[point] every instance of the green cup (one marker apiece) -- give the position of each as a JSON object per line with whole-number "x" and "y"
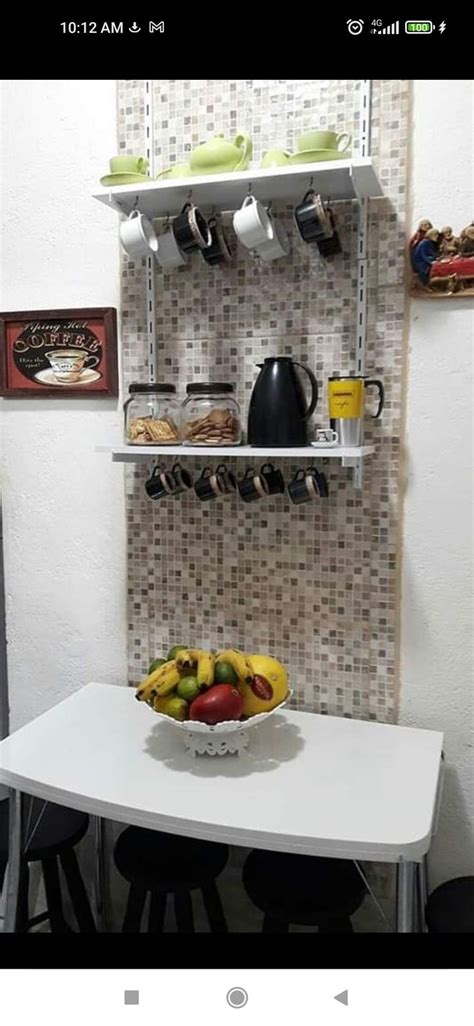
{"x": 128, "y": 165}
{"x": 324, "y": 141}
{"x": 275, "y": 158}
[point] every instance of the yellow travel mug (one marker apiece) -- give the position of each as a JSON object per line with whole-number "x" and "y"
{"x": 346, "y": 398}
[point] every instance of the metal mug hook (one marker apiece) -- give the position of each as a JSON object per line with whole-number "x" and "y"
{"x": 135, "y": 205}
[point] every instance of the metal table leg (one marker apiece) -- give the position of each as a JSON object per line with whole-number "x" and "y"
{"x": 102, "y": 881}
{"x": 422, "y": 894}
{"x": 405, "y": 894}
{"x": 12, "y": 881}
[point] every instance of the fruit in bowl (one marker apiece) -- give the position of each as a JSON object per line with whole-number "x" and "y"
{"x": 220, "y": 703}
{"x": 194, "y": 686}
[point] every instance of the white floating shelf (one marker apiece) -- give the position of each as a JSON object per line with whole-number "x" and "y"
{"x": 335, "y": 179}
{"x": 142, "y": 454}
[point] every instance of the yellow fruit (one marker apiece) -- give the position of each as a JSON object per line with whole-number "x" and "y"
{"x": 159, "y": 704}
{"x": 205, "y": 669}
{"x": 187, "y": 658}
{"x": 177, "y": 708}
{"x": 268, "y": 688}
{"x": 168, "y": 681}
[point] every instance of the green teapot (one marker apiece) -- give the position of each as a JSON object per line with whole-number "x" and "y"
{"x": 218, "y": 156}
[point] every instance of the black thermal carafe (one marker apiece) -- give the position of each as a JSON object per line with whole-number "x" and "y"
{"x": 278, "y": 411}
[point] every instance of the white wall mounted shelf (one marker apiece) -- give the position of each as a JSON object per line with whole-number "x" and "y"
{"x": 142, "y": 454}
{"x": 335, "y": 179}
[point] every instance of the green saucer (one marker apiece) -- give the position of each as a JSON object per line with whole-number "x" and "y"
{"x": 313, "y": 156}
{"x": 124, "y": 179}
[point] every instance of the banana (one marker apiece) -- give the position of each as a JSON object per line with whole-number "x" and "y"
{"x": 187, "y": 658}
{"x": 168, "y": 681}
{"x": 205, "y": 669}
{"x": 239, "y": 663}
{"x": 147, "y": 685}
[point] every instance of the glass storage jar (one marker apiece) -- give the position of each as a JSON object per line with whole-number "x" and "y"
{"x": 152, "y": 414}
{"x": 210, "y": 415}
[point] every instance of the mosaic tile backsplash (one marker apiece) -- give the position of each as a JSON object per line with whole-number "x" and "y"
{"x": 314, "y": 585}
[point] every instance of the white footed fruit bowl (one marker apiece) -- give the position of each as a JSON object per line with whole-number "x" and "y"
{"x": 228, "y": 737}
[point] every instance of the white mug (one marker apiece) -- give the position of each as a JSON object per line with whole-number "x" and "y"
{"x": 252, "y": 224}
{"x": 137, "y": 235}
{"x": 169, "y": 254}
{"x": 325, "y": 436}
{"x": 279, "y": 246}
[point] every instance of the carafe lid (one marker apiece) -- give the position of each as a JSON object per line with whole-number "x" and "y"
{"x": 151, "y": 386}
{"x": 208, "y": 387}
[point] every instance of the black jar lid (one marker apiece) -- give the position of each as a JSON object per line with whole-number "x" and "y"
{"x": 150, "y": 386}
{"x": 208, "y": 387}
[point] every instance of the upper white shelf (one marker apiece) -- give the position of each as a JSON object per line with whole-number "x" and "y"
{"x": 139, "y": 454}
{"x": 335, "y": 180}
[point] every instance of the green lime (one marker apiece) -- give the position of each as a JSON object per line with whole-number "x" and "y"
{"x": 188, "y": 688}
{"x": 155, "y": 665}
{"x": 177, "y": 708}
{"x": 224, "y": 673}
{"x": 173, "y": 652}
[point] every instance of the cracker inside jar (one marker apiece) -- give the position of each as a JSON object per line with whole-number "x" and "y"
{"x": 219, "y": 427}
{"x": 150, "y": 431}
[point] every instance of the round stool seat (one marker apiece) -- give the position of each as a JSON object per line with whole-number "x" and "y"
{"x": 450, "y": 908}
{"x": 302, "y": 889}
{"x": 165, "y": 862}
{"x": 58, "y": 829}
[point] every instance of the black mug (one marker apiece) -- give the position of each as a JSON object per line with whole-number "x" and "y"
{"x": 182, "y": 479}
{"x": 274, "y": 479}
{"x": 226, "y": 479}
{"x": 218, "y": 251}
{"x": 308, "y": 484}
{"x": 330, "y": 246}
{"x": 253, "y": 486}
{"x": 208, "y": 485}
{"x": 190, "y": 229}
{"x": 160, "y": 485}
{"x": 311, "y": 219}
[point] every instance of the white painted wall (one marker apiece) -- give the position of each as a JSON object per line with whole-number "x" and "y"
{"x": 64, "y": 518}
{"x": 436, "y": 615}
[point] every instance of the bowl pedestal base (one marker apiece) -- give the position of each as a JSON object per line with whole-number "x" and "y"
{"x": 217, "y": 744}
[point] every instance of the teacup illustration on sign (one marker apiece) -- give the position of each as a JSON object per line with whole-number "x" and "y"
{"x": 69, "y": 367}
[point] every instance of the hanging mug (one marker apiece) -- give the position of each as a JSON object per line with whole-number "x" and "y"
{"x": 160, "y": 485}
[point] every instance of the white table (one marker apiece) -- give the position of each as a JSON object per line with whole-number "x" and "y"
{"x": 318, "y": 785}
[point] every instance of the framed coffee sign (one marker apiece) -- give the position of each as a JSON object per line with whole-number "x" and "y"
{"x": 68, "y": 353}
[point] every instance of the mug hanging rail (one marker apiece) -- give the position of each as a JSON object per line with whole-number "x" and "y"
{"x": 306, "y": 485}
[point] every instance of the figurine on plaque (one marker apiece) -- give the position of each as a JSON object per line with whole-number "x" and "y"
{"x": 442, "y": 262}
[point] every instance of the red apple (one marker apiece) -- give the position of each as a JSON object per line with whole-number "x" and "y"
{"x": 221, "y": 702}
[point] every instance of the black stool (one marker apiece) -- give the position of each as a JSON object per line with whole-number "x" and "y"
{"x": 450, "y": 908}
{"x": 55, "y": 837}
{"x": 165, "y": 864}
{"x": 304, "y": 890}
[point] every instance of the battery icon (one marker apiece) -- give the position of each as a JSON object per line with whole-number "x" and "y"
{"x": 420, "y": 27}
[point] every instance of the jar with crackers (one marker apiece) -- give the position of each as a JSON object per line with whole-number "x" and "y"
{"x": 152, "y": 414}
{"x": 210, "y": 414}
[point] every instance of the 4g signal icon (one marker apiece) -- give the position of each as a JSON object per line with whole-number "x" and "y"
{"x": 385, "y": 30}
